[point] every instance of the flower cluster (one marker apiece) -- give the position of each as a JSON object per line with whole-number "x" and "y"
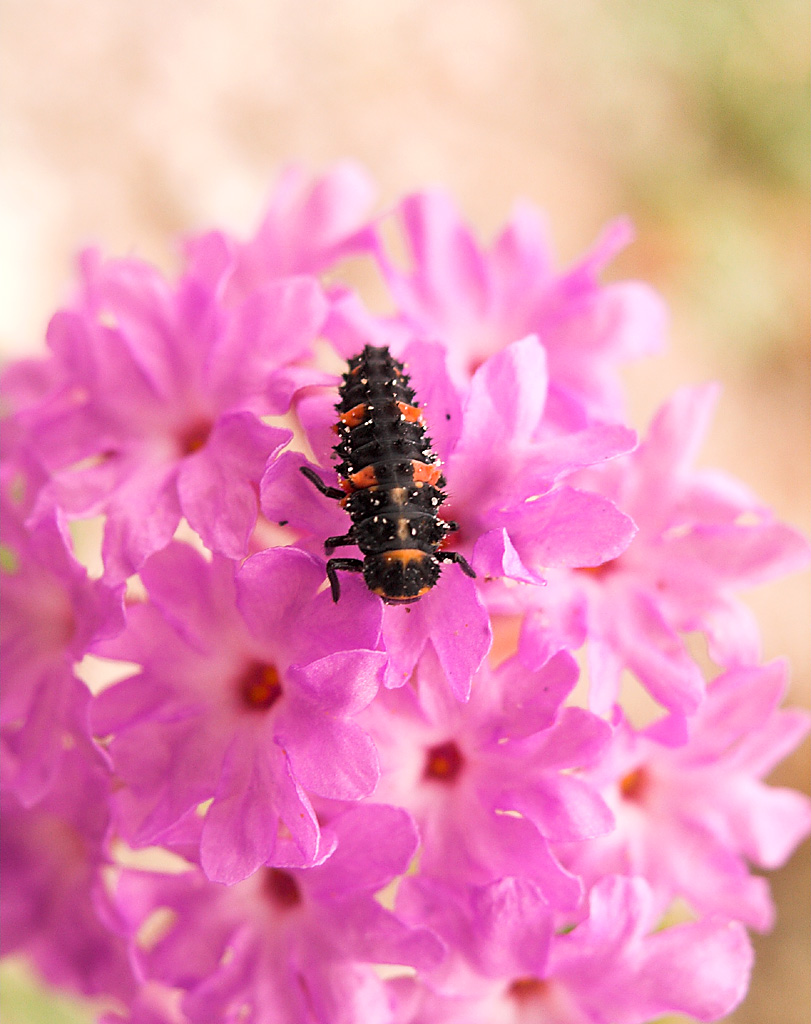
{"x": 286, "y": 810}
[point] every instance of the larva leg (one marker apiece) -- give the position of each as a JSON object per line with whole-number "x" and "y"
{"x": 348, "y": 565}
{"x": 340, "y": 542}
{"x": 313, "y": 477}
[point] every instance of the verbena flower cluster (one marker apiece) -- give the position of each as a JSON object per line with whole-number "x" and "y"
{"x": 287, "y": 810}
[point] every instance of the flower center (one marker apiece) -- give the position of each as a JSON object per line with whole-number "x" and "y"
{"x": 444, "y": 762}
{"x": 260, "y": 687}
{"x": 525, "y": 990}
{"x": 634, "y": 784}
{"x": 194, "y": 437}
{"x": 282, "y": 889}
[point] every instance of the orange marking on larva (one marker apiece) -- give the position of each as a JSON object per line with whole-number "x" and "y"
{"x": 382, "y": 592}
{"x": 410, "y": 413}
{"x": 404, "y": 555}
{"x": 353, "y": 417}
{"x": 423, "y": 473}
{"x": 365, "y": 477}
{"x": 406, "y": 599}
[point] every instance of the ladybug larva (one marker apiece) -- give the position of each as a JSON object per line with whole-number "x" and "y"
{"x": 391, "y": 487}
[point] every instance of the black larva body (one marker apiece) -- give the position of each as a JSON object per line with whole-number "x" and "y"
{"x": 392, "y": 484}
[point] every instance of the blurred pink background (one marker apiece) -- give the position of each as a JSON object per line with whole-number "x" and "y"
{"x": 127, "y": 124}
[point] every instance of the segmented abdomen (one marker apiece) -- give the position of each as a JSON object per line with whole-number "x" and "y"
{"x": 392, "y": 477}
{"x": 382, "y": 433}
{"x": 391, "y": 487}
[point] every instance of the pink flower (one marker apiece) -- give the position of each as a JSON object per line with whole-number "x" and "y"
{"x": 477, "y": 302}
{"x": 502, "y": 928}
{"x": 290, "y": 946}
{"x": 610, "y": 968}
{"x": 614, "y": 967}
{"x": 245, "y": 697}
{"x": 508, "y": 470}
{"x": 702, "y": 802}
{"x": 54, "y": 905}
{"x": 310, "y": 223}
{"x": 157, "y": 415}
{"x": 489, "y": 783}
{"x": 51, "y": 616}
{"x": 702, "y": 536}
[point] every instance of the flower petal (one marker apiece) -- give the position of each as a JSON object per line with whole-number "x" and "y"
{"x": 275, "y": 325}
{"x": 340, "y": 684}
{"x": 700, "y": 969}
{"x": 143, "y": 516}
{"x": 494, "y": 556}
{"x": 217, "y": 485}
{"x": 530, "y": 700}
{"x": 564, "y": 808}
{"x": 241, "y": 824}
{"x": 568, "y": 527}
{"x": 331, "y": 757}
{"x": 288, "y": 498}
{"x": 459, "y": 629}
{"x": 513, "y": 925}
{"x": 375, "y": 844}
{"x": 275, "y": 589}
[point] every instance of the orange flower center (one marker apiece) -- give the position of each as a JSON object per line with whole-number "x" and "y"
{"x": 634, "y": 784}
{"x": 260, "y": 687}
{"x": 444, "y": 762}
{"x": 525, "y": 990}
{"x": 194, "y": 437}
